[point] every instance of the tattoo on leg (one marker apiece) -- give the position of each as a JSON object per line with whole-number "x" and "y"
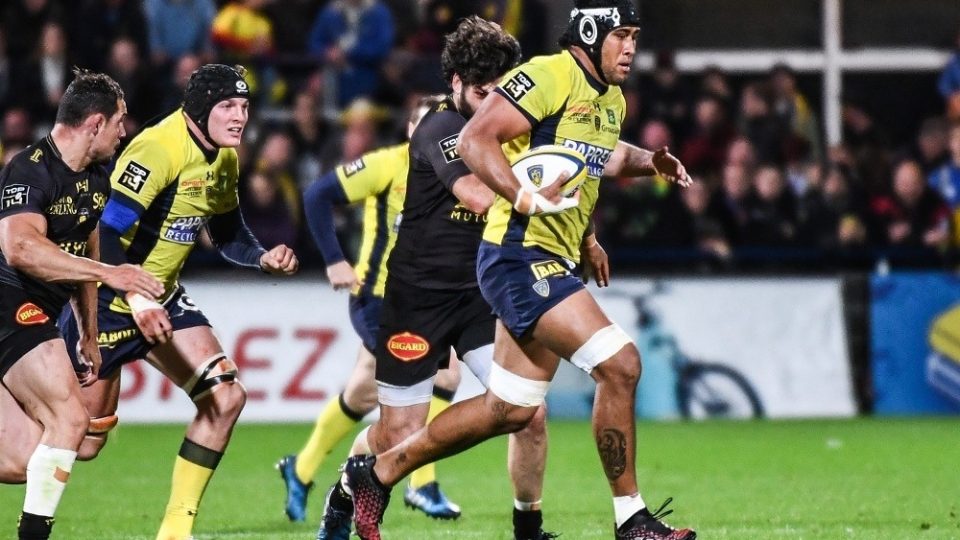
{"x": 401, "y": 458}
{"x": 500, "y": 411}
{"x": 612, "y": 445}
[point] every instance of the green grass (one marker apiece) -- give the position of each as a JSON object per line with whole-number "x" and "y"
{"x": 816, "y": 480}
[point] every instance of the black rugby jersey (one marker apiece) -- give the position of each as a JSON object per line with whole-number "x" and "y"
{"x": 438, "y": 238}
{"x": 37, "y": 180}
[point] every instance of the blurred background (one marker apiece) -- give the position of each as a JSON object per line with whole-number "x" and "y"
{"x": 809, "y": 272}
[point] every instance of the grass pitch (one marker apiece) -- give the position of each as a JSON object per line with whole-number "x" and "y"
{"x": 814, "y": 480}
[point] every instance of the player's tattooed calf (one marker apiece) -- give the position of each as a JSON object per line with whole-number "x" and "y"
{"x": 612, "y": 445}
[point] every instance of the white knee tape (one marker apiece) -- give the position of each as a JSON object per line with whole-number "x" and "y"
{"x": 605, "y": 343}
{"x": 479, "y": 361}
{"x": 515, "y": 389}
{"x": 405, "y": 396}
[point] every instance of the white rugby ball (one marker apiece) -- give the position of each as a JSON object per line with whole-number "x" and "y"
{"x": 541, "y": 166}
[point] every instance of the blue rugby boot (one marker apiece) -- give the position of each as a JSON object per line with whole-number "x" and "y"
{"x": 297, "y": 491}
{"x": 431, "y": 501}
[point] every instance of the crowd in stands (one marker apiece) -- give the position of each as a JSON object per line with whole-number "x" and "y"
{"x": 333, "y": 79}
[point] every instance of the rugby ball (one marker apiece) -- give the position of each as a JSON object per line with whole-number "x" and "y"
{"x": 541, "y": 166}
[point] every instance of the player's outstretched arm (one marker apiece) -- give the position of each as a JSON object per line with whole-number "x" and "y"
{"x": 238, "y": 246}
{"x": 319, "y": 200}
{"x": 495, "y": 122}
{"x": 629, "y": 160}
{"x": 24, "y": 243}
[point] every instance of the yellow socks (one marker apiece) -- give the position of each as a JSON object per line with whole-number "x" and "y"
{"x": 438, "y": 403}
{"x": 332, "y": 425}
{"x": 191, "y": 472}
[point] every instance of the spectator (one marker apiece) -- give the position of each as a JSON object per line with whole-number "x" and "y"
{"x": 353, "y": 37}
{"x": 267, "y": 213}
{"x": 291, "y": 21}
{"x": 655, "y": 134}
{"x": 179, "y": 27}
{"x": 734, "y": 196}
{"x": 648, "y": 214}
{"x": 98, "y": 24}
{"x": 243, "y": 34}
{"x": 795, "y": 111}
{"x": 359, "y": 134}
{"x": 126, "y": 67}
{"x": 771, "y": 210}
{"x": 913, "y": 215}
{"x": 527, "y": 20}
{"x": 742, "y": 153}
{"x": 276, "y": 159}
{"x": 43, "y": 79}
{"x": 714, "y": 82}
{"x": 440, "y": 17}
{"x": 946, "y": 179}
{"x": 705, "y": 150}
{"x": 666, "y": 97}
{"x": 7, "y": 75}
{"x": 931, "y": 145}
{"x": 868, "y": 145}
{"x": 307, "y": 132}
{"x": 766, "y": 131}
{"x": 23, "y": 20}
{"x": 17, "y": 128}
{"x": 710, "y": 225}
{"x": 184, "y": 67}
{"x": 835, "y": 215}
{"x": 949, "y": 84}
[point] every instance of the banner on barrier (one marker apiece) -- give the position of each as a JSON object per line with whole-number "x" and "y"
{"x": 915, "y": 343}
{"x": 710, "y": 347}
{"x": 729, "y": 348}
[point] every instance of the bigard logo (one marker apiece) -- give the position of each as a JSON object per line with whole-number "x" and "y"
{"x": 407, "y": 347}
{"x": 29, "y": 314}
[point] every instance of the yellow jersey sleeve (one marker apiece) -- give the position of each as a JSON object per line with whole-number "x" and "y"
{"x": 145, "y": 168}
{"x": 372, "y": 173}
{"x": 538, "y": 88}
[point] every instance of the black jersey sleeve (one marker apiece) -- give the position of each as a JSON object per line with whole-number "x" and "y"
{"x": 24, "y": 187}
{"x": 435, "y": 141}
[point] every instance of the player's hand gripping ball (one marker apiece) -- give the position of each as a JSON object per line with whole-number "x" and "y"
{"x": 542, "y": 166}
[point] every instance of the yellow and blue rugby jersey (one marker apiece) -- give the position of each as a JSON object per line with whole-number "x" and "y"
{"x": 166, "y": 174}
{"x": 380, "y": 179}
{"x": 568, "y": 107}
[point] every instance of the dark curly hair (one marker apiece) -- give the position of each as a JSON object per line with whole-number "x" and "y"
{"x": 89, "y": 93}
{"x": 478, "y": 51}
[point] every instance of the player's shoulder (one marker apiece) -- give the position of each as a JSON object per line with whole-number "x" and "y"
{"x": 554, "y": 66}
{"x": 541, "y": 74}
{"x": 391, "y": 152}
{"x": 442, "y": 116}
{"x": 169, "y": 133}
{"x": 32, "y": 162}
{"x": 442, "y": 121}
